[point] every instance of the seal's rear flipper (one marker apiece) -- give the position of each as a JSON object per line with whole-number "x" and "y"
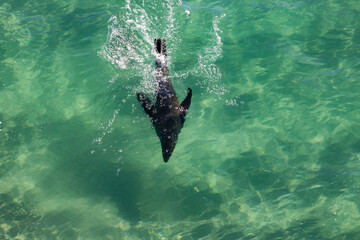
{"x": 184, "y": 107}
{"x": 160, "y": 46}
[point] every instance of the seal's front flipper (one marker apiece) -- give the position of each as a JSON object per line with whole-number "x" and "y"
{"x": 184, "y": 107}
{"x": 146, "y": 104}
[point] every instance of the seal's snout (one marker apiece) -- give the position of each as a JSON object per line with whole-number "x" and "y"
{"x": 160, "y": 52}
{"x": 160, "y": 46}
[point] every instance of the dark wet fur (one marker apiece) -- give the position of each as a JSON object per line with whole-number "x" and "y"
{"x": 167, "y": 115}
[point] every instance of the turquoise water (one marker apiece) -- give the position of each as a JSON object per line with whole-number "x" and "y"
{"x": 270, "y": 148}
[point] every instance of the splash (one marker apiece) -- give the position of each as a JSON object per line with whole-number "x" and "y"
{"x": 129, "y": 48}
{"x": 128, "y": 40}
{"x": 132, "y": 32}
{"x": 207, "y": 68}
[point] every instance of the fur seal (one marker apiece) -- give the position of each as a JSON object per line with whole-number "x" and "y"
{"x": 167, "y": 115}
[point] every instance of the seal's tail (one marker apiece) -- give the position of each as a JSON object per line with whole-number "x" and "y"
{"x": 160, "y": 46}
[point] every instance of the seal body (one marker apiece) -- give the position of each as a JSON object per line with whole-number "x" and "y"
{"x": 167, "y": 115}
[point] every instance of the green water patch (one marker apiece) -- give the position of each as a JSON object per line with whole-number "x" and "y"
{"x": 269, "y": 149}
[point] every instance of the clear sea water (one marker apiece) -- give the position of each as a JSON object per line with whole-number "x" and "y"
{"x": 270, "y": 148}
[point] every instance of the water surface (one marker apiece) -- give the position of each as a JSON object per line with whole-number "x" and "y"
{"x": 270, "y": 148}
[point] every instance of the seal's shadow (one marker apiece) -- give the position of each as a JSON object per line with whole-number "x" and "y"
{"x": 137, "y": 192}
{"x": 84, "y": 174}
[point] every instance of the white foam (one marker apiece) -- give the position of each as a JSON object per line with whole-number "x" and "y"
{"x": 207, "y": 69}
{"x": 129, "y": 46}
